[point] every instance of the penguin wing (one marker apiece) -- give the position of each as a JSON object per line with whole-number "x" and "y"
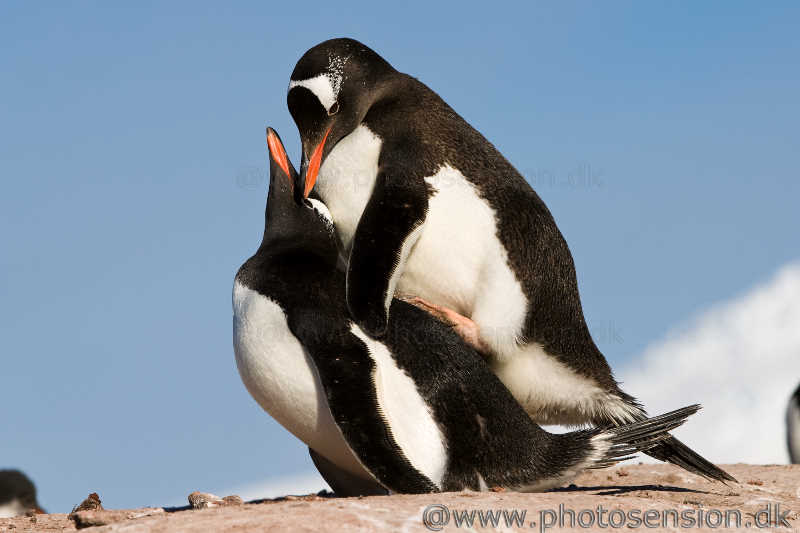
{"x": 391, "y": 223}
{"x": 347, "y": 373}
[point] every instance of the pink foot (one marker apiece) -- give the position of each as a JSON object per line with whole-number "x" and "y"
{"x": 463, "y": 326}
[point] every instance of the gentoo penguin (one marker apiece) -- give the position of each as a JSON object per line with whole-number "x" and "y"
{"x": 274, "y": 366}
{"x": 419, "y": 410}
{"x": 425, "y": 206}
{"x": 793, "y": 427}
{"x": 17, "y": 495}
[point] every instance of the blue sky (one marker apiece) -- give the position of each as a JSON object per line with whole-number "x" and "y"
{"x": 663, "y": 137}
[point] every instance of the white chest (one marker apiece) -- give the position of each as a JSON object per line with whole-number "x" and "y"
{"x": 458, "y": 261}
{"x": 346, "y": 179}
{"x": 282, "y": 378}
{"x": 458, "y": 250}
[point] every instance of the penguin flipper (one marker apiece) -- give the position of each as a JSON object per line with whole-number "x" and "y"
{"x": 348, "y": 377}
{"x": 389, "y": 226}
{"x": 343, "y": 483}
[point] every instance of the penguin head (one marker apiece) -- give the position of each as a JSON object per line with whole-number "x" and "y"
{"x": 331, "y": 89}
{"x": 305, "y": 226}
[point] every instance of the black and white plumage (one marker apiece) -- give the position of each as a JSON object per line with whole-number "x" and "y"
{"x": 417, "y": 411}
{"x": 425, "y": 206}
{"x": 793, "y": 427}
{"x": 17, "y": 494}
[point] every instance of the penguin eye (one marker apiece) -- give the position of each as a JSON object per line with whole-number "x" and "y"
{"x": 334, "y": 109}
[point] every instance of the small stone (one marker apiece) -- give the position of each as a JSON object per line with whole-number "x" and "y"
{"x": 233, "y": 499}
{"x": 91, "y": 503}
{"x": 204, "y": 500}
{"x": 84, "y": 519}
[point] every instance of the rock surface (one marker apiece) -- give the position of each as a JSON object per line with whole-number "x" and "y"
{"x": 763, "y": 494}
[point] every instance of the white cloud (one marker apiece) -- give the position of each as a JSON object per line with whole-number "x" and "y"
{"x": 741, "y": 360}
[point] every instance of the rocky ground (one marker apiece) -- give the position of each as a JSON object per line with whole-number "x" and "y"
{"x": 625, "y": 497}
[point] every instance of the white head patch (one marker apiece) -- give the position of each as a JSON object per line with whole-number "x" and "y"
{"x": 322, "y": 209}
{"x": 326, "y": 85}
{"x": 322, "y": 86}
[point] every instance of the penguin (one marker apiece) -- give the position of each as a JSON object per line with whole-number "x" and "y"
{"x": 793, "y": 427}
{"x": 17, "y": 495}
{"x": 273, "y": 365}
{"x": 425, "y": 206}
{"x": 419, "y": 410}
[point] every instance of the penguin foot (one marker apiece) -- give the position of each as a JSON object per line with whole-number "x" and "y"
{"x": 463, "y": 326}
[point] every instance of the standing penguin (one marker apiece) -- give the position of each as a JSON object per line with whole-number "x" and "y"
{"x": 793, "y": 427}
{"x": 419, "y": 410}
{"x": 424, "y": 205}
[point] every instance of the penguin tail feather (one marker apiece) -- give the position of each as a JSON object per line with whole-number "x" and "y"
{"x": 674, "y": 451}
{"x": 615, "y": 444}
{"x": 670, "y": 449}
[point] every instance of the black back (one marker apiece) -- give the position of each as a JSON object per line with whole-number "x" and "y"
{"x": 421, "y": 133}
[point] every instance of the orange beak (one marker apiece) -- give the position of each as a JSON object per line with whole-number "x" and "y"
{"x": 278, "y": 153}
{"x": 309, "y": 177}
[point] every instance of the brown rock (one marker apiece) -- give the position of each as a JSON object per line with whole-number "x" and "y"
{"x": 233, "y": 499}
{"x": 84, "y": 519}
{"x": 206, "y": 500}
{"x": 91, "y": 503}
{"x": 648, "y": 487}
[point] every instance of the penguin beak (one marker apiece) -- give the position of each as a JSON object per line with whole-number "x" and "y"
{"x": 309, "y": 171}
{"x": 277, "y": 153}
